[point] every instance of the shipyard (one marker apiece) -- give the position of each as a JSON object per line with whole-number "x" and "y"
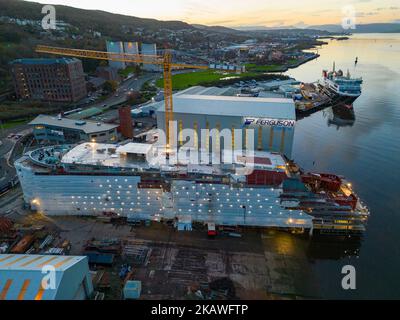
{"x": 175, "y": 162}
{"x": 142, "y": 213}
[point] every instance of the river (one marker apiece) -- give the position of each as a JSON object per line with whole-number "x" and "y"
{"x": 366, "y": 151}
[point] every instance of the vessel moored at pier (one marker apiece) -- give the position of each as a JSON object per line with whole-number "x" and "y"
{"x": 333, "y": 89}
{"x": 264, "y": 189}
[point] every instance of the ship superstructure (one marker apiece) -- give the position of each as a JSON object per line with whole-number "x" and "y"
{"x": 261, "y": 190}
{"x": 334, "y": 89}
{"x": 340, "y": 88}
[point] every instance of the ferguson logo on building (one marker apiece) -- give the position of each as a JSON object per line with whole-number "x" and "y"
{"x": 269, "y": 122}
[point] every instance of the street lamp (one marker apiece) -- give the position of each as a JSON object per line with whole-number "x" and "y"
{"x": 244, "y": 213}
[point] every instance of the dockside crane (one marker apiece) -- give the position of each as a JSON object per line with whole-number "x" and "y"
{"x": 163, "y": 60}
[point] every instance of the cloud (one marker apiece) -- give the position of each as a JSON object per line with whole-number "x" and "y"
{"x": 300, "y": 24}
{"x": 389, "y": 8}
{"x": 365, "y": 14}
{"x": 220, "y": 22}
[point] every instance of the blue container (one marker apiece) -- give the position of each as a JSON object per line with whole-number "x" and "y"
{"x": 132, "y": 289}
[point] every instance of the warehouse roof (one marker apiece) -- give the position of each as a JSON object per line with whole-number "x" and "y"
{"x": 280, "y": 108}
{"x": 33, "y": 61}
{"x": 85, "y": 113}
{"x": 21, "y": 275}
{"x": 36, "y": 262}
{"x": 86, "y": 126}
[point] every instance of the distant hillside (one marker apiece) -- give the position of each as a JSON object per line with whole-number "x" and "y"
{"x": 261, "y": 28}
{"x": 362, "y": 28}
{"x": 104, "y": 22}
{"x": 216, "y": 29}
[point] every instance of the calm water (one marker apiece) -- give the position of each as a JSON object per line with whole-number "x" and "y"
{"x": 367, "y": 153}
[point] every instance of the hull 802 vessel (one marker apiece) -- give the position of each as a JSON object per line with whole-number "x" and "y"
{"x": 102, "y": 179}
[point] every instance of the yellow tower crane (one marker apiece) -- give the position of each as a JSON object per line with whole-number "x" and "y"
{"x": 165, "y": 61}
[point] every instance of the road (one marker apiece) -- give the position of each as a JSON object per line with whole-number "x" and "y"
{"x": 120, "y": 96}
{"x": 122, "y": 93}
{"x": 10, "y": 150}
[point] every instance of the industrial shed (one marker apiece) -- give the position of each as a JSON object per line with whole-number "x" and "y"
{"x": 273, "y": 119}
{"x": 21, "y": 277}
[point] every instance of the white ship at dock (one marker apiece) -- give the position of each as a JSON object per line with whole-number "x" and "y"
{"x": 96, "y": 179}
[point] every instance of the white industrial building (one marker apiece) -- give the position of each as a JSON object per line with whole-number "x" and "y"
{"x": 131, "y": 48}
{"x": 116, "y": 47}
{"x": 149, "y": 49}
{"x": 273, "y": 119}
{"x": 22, "y": 275}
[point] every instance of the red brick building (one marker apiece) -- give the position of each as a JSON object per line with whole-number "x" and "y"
{"x": 57, "y": 80}
{"x": 125, "y": 122}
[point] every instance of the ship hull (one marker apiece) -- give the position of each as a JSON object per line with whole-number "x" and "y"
{"x": 332, "y": 99}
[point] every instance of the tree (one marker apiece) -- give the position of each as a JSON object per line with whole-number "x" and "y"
{"x": 134, "y": 97}
{"x": 110, "y": 86}
{"x": 137, "y": 70}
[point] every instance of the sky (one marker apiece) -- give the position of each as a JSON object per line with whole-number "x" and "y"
{"x": 239, "y": 13}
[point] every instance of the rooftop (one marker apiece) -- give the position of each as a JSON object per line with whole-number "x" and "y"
{"x": 93, "y": 154}
{"x": 280, "y": 108}
{"x": 48, "y": 61}
{"x": 19, "y": 262}
{"x": 109, "y": 155}
{"x": 137, "y": 148}
{"x": 21, "y": 275}
{"x": 86, "y": 126}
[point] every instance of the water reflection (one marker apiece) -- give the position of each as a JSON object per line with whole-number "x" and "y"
{"x": 365, "y": 150}
{"x": 339, "y": 116}
{"x": 333, "y": 248}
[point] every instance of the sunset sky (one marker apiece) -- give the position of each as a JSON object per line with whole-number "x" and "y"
{"x": 235, "y": 13}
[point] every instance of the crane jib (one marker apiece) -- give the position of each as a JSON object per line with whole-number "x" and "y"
{"x": 165, "y": 61}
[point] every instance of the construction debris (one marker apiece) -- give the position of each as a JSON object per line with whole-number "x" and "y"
{"x": 5, "y": 225}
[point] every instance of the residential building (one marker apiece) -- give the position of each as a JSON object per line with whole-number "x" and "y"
{"x": 57, "y": 80}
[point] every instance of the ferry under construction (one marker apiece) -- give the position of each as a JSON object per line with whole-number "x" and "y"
{"x": 96, "y": 179}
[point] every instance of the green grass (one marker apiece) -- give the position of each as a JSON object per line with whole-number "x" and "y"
{"x": 292, "y": 61}
{"x": 13, "y": 123}
{"x": 125, "y": 72}
{"x": 185, "y": 80}
{"x": 252, "y": 67}
{"x": 11, "y": 111}
{"x": 7, "y": 45}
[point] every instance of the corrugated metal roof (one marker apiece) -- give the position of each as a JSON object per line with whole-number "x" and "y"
{"x": 21, "y": 275}
{"x": 36, "y": 262}
{"x": 86, "y": 126}
{"x": 32, "y": 61}
{"x": 280, "y": 108}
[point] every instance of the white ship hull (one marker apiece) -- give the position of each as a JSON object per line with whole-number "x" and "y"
{"x": 93, "y": 195}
